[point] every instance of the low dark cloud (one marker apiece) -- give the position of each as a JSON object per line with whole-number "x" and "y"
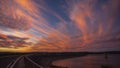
{"x": 12, "y": 41}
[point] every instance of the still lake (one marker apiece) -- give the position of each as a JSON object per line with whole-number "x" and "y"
{"x": 90, "y": 61}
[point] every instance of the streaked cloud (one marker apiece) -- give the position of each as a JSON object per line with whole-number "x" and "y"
{"x": 81, "y": 24}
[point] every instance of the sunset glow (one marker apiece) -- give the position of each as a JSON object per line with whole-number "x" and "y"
{"x": 59, "y": 25}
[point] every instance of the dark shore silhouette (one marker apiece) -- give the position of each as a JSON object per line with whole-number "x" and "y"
{"x": 42, "y": 59}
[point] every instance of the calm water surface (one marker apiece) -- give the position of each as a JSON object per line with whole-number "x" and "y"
{"x": 90, "y": 61}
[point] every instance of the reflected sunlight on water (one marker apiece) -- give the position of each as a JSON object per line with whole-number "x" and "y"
{"x": 90, "y": 61}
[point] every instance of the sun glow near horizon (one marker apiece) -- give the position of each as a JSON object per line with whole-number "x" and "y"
{"x": 47, "y": 25}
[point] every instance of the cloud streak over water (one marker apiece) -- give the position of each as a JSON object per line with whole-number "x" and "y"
{"x": 74, "y": 25}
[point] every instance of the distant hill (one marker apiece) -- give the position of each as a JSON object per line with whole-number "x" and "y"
{"x": 46, "y": 53}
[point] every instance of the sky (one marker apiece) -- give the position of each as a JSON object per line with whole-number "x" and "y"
{"x": 59, "y": 25}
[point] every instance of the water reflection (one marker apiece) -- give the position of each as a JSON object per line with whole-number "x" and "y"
{"x": 91, "y": 61}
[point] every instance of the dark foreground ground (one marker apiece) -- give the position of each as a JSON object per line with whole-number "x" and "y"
{"x": 40, "y": 60}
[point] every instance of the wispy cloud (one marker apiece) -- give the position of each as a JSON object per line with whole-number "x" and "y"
{"x": 86, "y": 22}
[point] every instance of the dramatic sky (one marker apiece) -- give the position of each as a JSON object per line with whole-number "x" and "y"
{"x": 59, "y": 25}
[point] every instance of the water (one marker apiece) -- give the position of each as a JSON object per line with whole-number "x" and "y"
{"x": 91, "y": 61}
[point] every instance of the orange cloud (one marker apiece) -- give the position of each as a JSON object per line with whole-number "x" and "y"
{"x": 26, "y": 18}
